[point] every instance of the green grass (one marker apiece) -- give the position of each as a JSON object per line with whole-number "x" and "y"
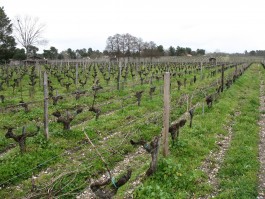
{"x": 178, "y": 176}
{"x": 238, "y": 175}
{"x": 39, "y": 150}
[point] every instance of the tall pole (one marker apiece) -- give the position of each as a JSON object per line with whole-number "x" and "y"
{"x": 222, "y": 80}
{"x": 46, "y": 121}
{"x": 166, "y": 113}
{"x": 76, "y": 75}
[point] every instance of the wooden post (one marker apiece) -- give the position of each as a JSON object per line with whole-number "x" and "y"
{"x": 76, "y": 75}
{"x": 7, "y": 75}
{"x": 39, "y": 74}
{"x": 202, "y": 108}
{"x": 222, "y": 80}
{"x": 37, "y": 66}
{"x": 46, "y": 121}
{"x": 201, "y": 70}
{"x": 187, "y": 102}
{"x": 61, "y": 66}
{"x": 166, "y": 112}
{"x": 109, "y": 69}
{"x": 119, "y": 76}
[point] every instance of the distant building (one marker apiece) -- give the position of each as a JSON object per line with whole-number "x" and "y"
{"x": 113, "y": 59}
{"x": 35, "y": 59}
{"x": 15, "y": 62}
{"x": 212, "y": 60}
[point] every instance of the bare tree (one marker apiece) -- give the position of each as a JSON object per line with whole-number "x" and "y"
{"x": 139, "y": 46}
{"x": 29, "y": 32}
{"x": 110, "y": 46}
{"x": 134, "y": 46}
{"x": 122, "y": 44}
{"x": 114, "y": 45}
{"x": 117, "y": 44}
{"x": 130, "y": 43}
{"x": 127, "y": 45}
{"x": 150, "y": 50}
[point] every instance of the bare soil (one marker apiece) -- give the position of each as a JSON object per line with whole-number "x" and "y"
{"x": 261, "y": 175}
{"x": 213, "y": 162}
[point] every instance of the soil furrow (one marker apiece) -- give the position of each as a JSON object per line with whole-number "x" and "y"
{"x": 261, "y": 175}
{"x": 213, "y": 162}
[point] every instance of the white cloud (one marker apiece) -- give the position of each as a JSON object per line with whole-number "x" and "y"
{"x": 231, "y": 26}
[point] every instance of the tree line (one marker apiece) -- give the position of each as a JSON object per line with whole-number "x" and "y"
{"x": 255, "y": 53}
{"x": 118, "y": 46}
{"x": 28, "y": 33}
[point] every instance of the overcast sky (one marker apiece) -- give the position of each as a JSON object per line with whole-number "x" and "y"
{"x": 214, "y": 25}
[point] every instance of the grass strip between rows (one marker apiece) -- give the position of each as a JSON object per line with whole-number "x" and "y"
{"x": 238, "y": 174}
{"x": 178, "y": 175}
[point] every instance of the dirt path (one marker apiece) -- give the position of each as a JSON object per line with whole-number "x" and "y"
{"x": 261, "y": 175}
{"x": 213, "y": 162}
